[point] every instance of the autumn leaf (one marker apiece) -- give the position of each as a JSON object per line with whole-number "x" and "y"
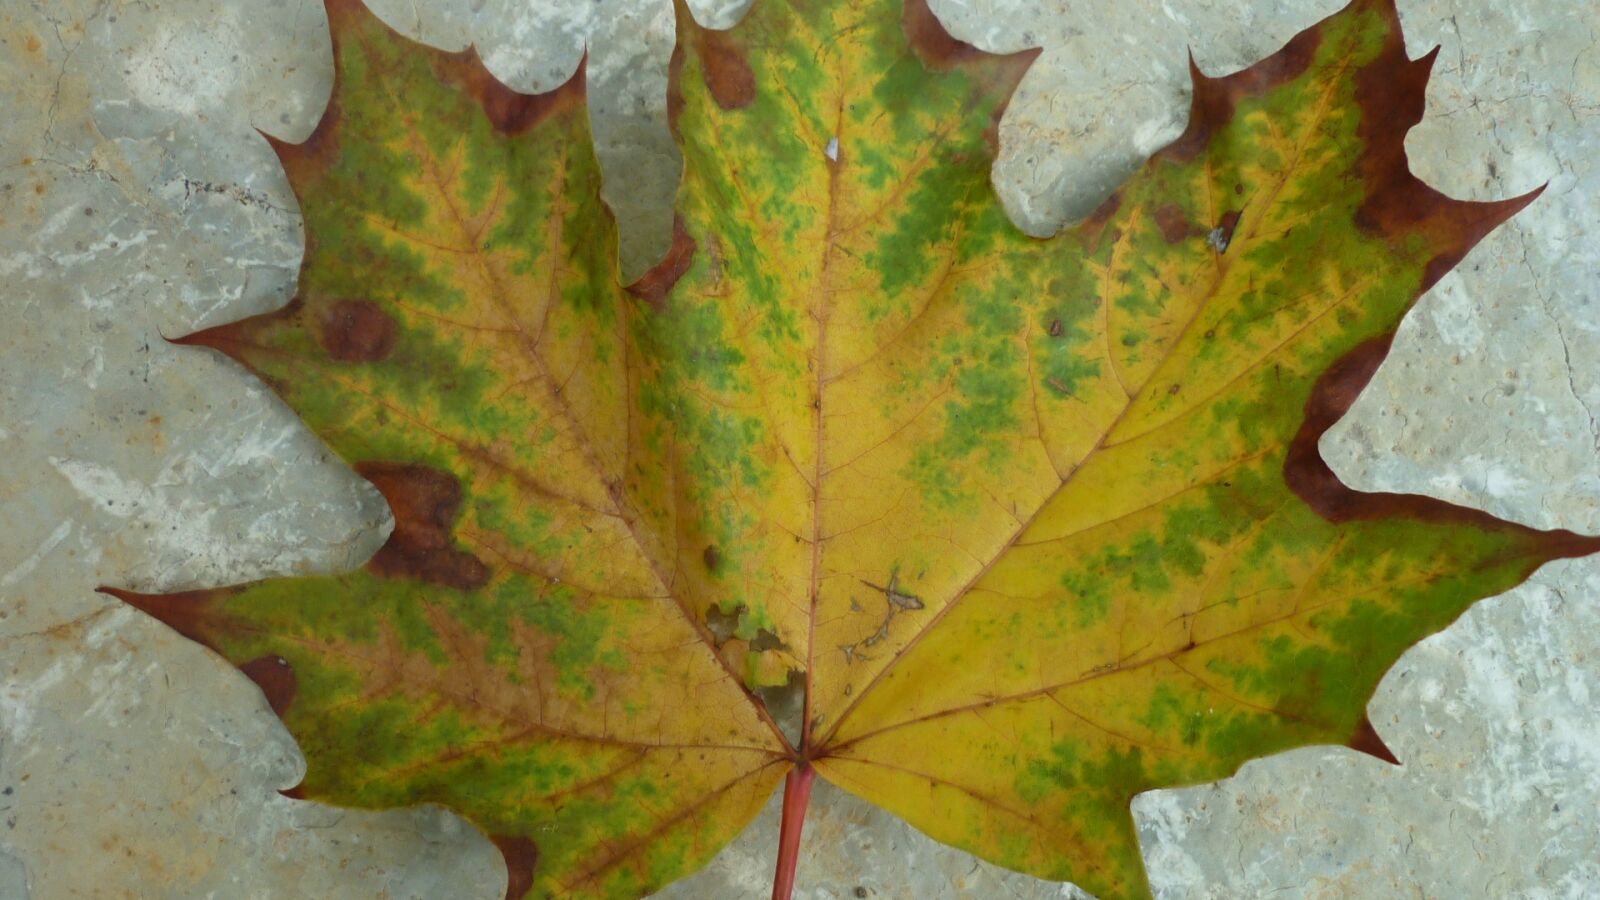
{"x": 860, "y": 482}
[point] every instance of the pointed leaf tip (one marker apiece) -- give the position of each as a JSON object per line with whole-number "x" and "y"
{"x": 1213, "y": 99}
{"x": 185, "y": 612}
{"x": 940, "y": 51}
{"x": 192, "y": 614}
{"x": 1366, "y": 740}
{"x": 656, "y": 284}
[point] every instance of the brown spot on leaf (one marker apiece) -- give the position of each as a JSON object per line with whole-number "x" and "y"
{"x": 723, "y": 625}
{"x": 723, "y": 66}
{"x": 1173, "y": 223}
{"x": 1315, "y": 483}
{"x": 358, "y": 331}
{"x": 1366, "y": 740}
{"x": 726, "y": 71}
{"x": 424, "y": 501}
{"x": 766, "y": 640}
{"x": 654, "y": 285}
{"x": 276, "y": 678}
{"x": 521, "y": 855}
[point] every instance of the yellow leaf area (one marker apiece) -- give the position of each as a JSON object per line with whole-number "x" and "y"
{"x": 992, "y": 531}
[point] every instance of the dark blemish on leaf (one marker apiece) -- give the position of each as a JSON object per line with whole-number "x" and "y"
{"x": 276, "y": 678}
{"x": 1210, "y": 333}
{"x": 1366, "y": 740}
{"x": 860, "y": 891}
{"x": 1173, "y": 223}
{"x": 896, "y": 600}
{"x": 895, "y": 596}
{"x": 1173, "y": 390}
{"x": 654, "y": 285}
{"x": 1222, "y": 235}
{"x": 766, "y": 640}
{"x": 1238, "y": 189}
{"x": 726, "y": 71}
{"x": 358, "y": 331}
{"x": 723, "y": 625}
{"x": 712, "y": 557}
{"x": 1055, "y": 328}
{"x": 521, "y": 855}
{"x": 424, "y": 501}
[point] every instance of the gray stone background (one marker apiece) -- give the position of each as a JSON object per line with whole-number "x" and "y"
{"x": 137, "y": 200}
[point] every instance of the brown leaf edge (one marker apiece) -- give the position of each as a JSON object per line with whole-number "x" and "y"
{"x": 423, "y": 501}
{"x": 1390, "y": 92}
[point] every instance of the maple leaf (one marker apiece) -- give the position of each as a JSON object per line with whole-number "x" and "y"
{"x": 860, "y": 481}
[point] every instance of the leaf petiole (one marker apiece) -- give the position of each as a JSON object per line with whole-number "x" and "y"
{"x": 796, "y": 796}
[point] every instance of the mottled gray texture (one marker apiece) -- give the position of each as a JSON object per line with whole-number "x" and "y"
{"x": 137, "y": 201}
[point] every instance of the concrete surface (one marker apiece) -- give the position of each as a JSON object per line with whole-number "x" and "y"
{"x": 136, "y": 201}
